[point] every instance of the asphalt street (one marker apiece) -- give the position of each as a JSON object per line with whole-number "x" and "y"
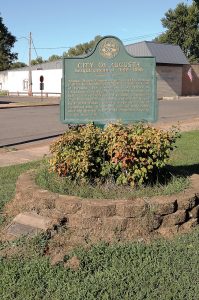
{"x": 178, "y": 110}
{"x": 29, "y": 123}
{"x": 32, "y": 123}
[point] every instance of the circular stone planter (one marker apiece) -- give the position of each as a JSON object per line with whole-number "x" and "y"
{"x": 106, "y": 219}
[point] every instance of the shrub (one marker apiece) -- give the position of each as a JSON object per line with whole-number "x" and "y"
{"x": 78, "y": 154}
{"x": 3, "y": 93}
{"x": 136, "y": 152}
{"x": 127, "y": 154}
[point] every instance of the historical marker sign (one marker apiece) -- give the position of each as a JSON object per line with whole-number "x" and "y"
{"x": 108, "y": 85}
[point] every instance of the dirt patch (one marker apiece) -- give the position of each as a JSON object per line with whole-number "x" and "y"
{"x": 73, "y": 263}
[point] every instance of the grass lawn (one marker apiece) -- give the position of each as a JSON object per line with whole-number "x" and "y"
{"x": 162, "y": 270}
{"x": 165, "y": 270}
{"x": 185, "y": 159}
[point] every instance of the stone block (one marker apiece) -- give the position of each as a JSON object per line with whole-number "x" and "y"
{"x": 132, "y": 209}
{"x": 83, "y": 222}
{"x": 137, "y": 227}
{"x": 194, "y": 213}
{"x": 44, "y": 194}
{"x": 188, "y": 225}
{"x": 135, "y": 223}
{"x": 99, "y": 209}
{"x": 176, "y": 218}
{"x": 68, "y": 204}
{"x": 34, "y": 220}
{"x": 45, "y": 198}
{"x": 187, "y": 200}
{"x": 17, "y": 229}
{"x": 154, "y": 221}
{"x": 115, "y": 223}
{"x": 167, "y": 232}
{"x": 195, "y": 183}
{"x": 163, "y": 205}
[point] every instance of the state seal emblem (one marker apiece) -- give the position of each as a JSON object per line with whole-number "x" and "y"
{"x": 109, "y": 48}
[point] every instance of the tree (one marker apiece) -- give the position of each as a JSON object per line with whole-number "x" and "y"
{"x": 7, "y": 41}
{"x": 17, "y": 65}
{"x": 197, "y": 3}
{"x": 182, "y": 25}
{"x": 37, "y": 61}
{"x": 54, "y": 57}
{"x": 81, "y": 49}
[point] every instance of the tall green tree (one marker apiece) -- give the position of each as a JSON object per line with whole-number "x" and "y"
{"x": 17, "y": 65}
{"x": 37, "y": 61}
{"x": 54, "y": 57}
{"x": 7, "y": 41}
{"x": 82, "y": 49}
{"x": 182, "y": 24}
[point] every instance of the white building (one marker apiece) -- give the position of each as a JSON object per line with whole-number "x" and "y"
{"x": 16, "y": 81}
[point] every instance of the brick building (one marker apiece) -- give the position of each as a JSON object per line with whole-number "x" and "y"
{"x": 170, "y": 62}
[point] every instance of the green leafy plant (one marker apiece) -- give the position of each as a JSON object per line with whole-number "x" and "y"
{"x": 127, "y": 154}
{"x": 136, "y": 152}
{"x": 3, "y": 93}
{"x": 78, "y": 153}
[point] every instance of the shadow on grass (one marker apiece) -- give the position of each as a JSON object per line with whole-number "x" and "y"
{"x": 165, "y": 175}
{"x": 183, "y": 170}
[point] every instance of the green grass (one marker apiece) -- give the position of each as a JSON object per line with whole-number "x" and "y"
{"x": 163, "y": 270}
{"x": 185, "y": 159}
{"x": 65, "y": 186}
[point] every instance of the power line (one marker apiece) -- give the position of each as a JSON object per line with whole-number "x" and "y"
{"x": 138, "y": 37}
{"x": 35, "y": 48}
{"x": 50, "y": 48}
{"x": 141, "y": 36}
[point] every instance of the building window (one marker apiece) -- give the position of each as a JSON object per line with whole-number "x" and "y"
{"x": 25, "y": 85}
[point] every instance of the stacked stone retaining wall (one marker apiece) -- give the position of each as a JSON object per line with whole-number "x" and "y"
{"x": 111, "y": 219}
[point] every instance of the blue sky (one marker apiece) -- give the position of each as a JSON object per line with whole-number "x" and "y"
{"x": 66, "y": 23}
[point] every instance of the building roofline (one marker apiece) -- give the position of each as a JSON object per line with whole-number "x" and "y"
{"x": 151, "y": 42}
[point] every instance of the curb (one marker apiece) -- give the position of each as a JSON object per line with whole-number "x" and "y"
{"x": 5, "y": 106}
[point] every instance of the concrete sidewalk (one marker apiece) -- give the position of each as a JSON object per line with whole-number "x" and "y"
{"x": 11, "y": 156}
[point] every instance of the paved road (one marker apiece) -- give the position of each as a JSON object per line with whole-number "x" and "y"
{"x": 178, "y": 110}
{"x": 29, "y": 123}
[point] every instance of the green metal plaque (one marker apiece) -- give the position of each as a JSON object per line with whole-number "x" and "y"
{"x": 108, "y": 85}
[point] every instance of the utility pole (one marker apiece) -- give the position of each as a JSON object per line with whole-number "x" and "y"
{"x": 30, "y": 69}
